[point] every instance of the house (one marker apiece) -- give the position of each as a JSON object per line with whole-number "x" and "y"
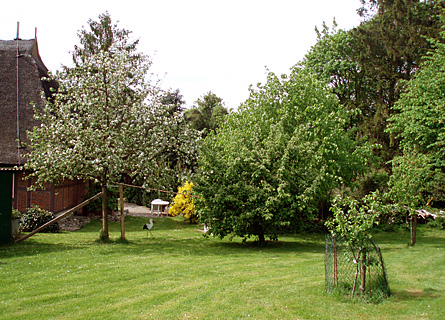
{"x": 22, "y": 84}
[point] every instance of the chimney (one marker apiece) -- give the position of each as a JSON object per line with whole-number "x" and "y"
{"x": 18, "y": 31}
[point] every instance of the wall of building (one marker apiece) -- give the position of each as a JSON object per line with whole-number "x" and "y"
{"x": 54, "y": 198}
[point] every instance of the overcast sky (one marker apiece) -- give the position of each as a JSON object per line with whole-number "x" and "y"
{"x": 197, "y": 46}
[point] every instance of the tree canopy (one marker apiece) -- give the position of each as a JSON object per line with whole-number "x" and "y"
{"x": 207, "y": 113}
{"x": 271, "y": 163}
{"x": 419, "y": 173}
{"x": 366, "y": 65}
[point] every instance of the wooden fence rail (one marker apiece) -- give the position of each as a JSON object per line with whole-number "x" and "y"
{"x": 60, "y": 217}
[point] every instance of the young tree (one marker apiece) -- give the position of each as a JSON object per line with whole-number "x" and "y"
{"x": 353, "y": 221}
{"x": 271, "y": 163}
{"x": 106, "y": 119}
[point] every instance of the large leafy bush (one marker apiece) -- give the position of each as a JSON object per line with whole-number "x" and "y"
{"x": 274, "y": 161}
{"x": 35, "y": 217}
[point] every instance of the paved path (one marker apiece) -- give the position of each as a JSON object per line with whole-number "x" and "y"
{"x": 137, "y": 211}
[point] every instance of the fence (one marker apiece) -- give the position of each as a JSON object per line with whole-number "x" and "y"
{"x": 347, "y": 274}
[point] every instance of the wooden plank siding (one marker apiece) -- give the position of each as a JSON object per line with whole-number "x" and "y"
{"x": 54, "y": 198}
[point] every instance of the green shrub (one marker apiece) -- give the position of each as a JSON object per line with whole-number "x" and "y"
{"x": 35, "y": 217}
{"x": 438, "y": 223}
{"x": 369, "y": 183}
{"x": 16, "y": 214}
{"x": 134, "y": 195}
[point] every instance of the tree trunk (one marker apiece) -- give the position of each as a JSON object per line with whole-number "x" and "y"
{"x": 413, "y": 229}
{"x": 104, "y": 235}
{"x": 363, "y": 273}
{"x": 261, "y": 239}
{"x": 355, "y": 280}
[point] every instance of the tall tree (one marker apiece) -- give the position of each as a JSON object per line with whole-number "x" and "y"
{"x": 271, "y": 163}
{"x": 106, "y": 119}
{"x": 100, "y": 36}
{"x": 366, "y": 66}
{"x": 393, "y": 43}
{"x": 333, "y": 60}
{"x": 207, "y": 113}
{"x": 419, "y": 173}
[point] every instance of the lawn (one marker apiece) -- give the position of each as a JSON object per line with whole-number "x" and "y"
{"x": 179, "y": 274}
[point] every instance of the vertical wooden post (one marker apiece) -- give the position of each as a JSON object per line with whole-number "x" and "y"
{"x": 121, "y": 206}
{"x": 413, "y": 228}
{"x": 335, "y": 262}
{"x": 104, "y": 235}
{"x": 364, "y": 262}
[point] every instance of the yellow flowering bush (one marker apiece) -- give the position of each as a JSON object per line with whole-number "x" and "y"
{"x": 183, "y": 203}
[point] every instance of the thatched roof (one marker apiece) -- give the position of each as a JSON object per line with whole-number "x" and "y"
{"x": 30, "y": 69}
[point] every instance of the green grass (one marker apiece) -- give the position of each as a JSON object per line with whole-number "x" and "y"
{"x": 178, "y": 274}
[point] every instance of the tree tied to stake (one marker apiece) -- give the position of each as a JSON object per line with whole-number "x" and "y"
{"x": 352, "y": 221}
{"x": 106, "y": 118}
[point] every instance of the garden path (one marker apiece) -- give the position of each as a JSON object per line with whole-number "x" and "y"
{"x": 136, "y": 210}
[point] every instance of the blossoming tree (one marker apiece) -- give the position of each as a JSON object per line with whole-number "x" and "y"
{"x": 106, "y": 119}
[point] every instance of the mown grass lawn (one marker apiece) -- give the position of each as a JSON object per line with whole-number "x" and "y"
{"x": 179, "y": 274}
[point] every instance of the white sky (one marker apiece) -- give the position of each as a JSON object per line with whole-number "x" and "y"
{"x": 197, "y": 46}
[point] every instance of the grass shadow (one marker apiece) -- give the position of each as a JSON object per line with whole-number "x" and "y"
{"x": 193, "y": 243}
{"x": 32, "y": 247}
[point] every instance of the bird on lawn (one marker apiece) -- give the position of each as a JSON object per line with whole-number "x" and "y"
{"x": 148, "y": 227}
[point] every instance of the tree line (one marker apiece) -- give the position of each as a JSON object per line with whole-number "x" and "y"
{"x": 363, "y": 111}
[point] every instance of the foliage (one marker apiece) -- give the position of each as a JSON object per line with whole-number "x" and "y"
{"x": 174, "y": 99}
{"x": 271, "y": 163}
{"x": 96, "y": 205}
{"x": 35, "y": 217}
{"x": 352, "y": 222}
{"x": 419, "y": 173}
{"x": 410, "y": 180}
{"x": 183, "y": 203}
{"x": 438, "y": 223}
{"x": 16, "y": 214}
{"x": 101, "y": 36}
{"x": 107, "y": 117}
{"x": 391, "y": 47}
{"x": 365, "y": 66}
{"x": 332, "y": 60}
{"x": 369, "y": 182}
{"x": 207, "y": 114}
{"x": 168, "y": 173}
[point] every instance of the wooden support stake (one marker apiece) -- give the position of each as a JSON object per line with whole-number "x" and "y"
{"x": 60, "y": 217}
{"x": 335, "y": 262}
{"x": 121, "y": 206}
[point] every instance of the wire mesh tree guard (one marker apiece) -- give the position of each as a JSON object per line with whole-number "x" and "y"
{"x": 345, "y": 275}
